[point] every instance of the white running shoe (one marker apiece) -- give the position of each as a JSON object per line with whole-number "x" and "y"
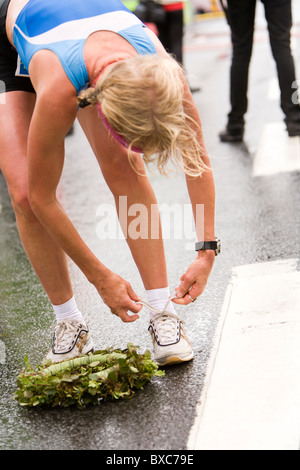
{"x": 170, "y": 344}
{"x": 71, "y": 339}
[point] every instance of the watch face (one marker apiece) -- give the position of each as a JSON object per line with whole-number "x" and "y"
{"x": 218, "y": 250}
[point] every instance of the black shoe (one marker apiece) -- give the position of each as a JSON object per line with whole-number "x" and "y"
{"x": 293, "y": 131}
{"x": 293, "y": 125}
{"x": 235, "y": 135}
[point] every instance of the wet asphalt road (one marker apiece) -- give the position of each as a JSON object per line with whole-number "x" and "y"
{"x": 257, "y": 219}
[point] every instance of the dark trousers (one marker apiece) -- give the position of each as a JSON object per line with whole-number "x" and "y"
{"x": 171, "y": 33}
{"x": 241, "y": 16}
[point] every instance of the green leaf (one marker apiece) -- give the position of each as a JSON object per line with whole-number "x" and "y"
{"x": 49, "y": 391}
{"x": 113, "y": 376}
{"x": 94, "y": 364}
{"x": 87, "y": 380}
{"x": 93, "y": 377}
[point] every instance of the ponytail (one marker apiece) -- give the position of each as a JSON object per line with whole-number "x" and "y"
{"x": 88, "y": 97}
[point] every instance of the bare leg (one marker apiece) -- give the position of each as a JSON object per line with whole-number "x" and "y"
{"x": 46, "y": 257}
{"x": 122, "y": 180}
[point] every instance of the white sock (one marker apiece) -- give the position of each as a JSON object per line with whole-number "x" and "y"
{"x": 158, "y": 298}
{"x": 68, "y": 311}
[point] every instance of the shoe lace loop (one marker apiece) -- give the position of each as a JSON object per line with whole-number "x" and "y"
{"x": 165, "y": 325}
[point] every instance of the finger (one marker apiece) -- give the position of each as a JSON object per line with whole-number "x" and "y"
{"x": 127, "y": 304}
{"x": 187, "y": 299}
{"x": 132, "y": 294}
{"x": 133, "y": 307}
{"x": 195, "y": 291}
{"x": 183, "y": 300}
{"x": 184, "y": 287}
{"x": 126, "y": 318}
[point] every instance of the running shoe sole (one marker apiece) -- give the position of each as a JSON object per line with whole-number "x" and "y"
{"x": 175, "y": 360}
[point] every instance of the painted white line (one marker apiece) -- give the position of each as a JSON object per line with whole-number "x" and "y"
{"x": 276, "y": 153}
{"x": 251, "y": 400}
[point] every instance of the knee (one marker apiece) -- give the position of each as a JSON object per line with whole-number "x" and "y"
{"x": 242, "y": 53}
{"x": 20, "y": 203}
{"x": 281, "y": 51}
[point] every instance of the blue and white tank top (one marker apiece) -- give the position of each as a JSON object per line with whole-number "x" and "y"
{"x": 63, "y": 26}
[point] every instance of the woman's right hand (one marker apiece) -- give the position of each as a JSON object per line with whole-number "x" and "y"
{"x": 119, "y": 296}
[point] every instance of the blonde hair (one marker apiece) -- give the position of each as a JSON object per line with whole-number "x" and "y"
{"x": 142, "y": 99}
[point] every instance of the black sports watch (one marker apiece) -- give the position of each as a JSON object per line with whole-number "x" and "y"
{"x": 212, "y": 245}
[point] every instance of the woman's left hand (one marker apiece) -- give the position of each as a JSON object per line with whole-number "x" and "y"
{"x": 194, "y": 280}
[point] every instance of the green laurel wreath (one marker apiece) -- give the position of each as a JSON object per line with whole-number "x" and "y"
{"x": 87, "y": 380}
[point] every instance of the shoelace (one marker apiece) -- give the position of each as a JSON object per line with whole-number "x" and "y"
{"x": 64, "y": 334}
{"x": 166, "y": 323}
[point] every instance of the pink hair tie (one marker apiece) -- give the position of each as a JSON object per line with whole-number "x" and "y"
{"x": 114, "y": 134}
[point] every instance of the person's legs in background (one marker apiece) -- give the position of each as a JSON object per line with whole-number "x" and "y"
{"x": 241, "y": 18}
{"x": 171, "y": 33}
{"x": 279, "y": 18}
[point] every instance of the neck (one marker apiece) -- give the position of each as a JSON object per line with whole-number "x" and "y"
{"x": 104, "y": 67}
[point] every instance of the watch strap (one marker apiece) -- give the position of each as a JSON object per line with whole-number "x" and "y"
{"x": 208, "y": 245}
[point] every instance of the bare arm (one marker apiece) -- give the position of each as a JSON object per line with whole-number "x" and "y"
{"x": 201, "y": 192}
{"x": 202, "y": 189}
